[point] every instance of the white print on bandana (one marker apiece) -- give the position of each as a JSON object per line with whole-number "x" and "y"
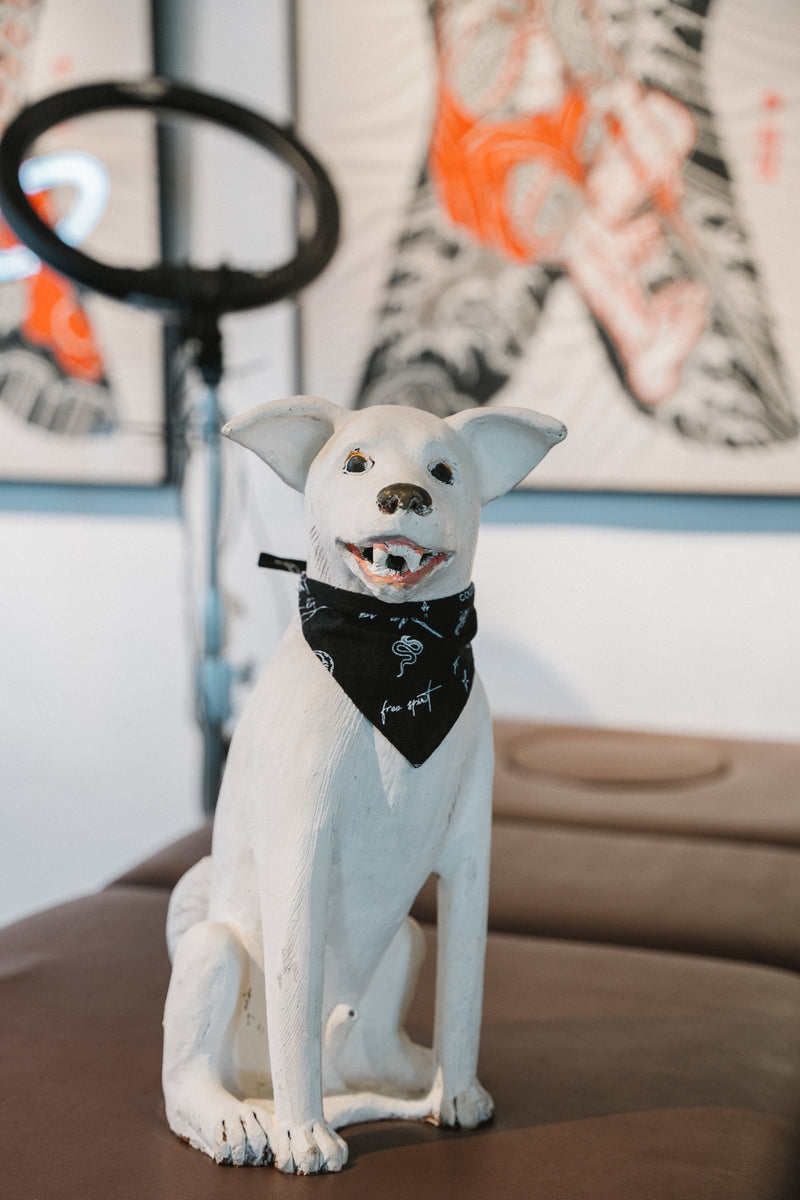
{"x": 407, "y": 649}
{"x": 402, "y": 621}
{"x": 423, "y": 698}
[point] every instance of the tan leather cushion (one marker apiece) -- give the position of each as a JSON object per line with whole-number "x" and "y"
{"x": 636, "y": 839}
{"x": 735, "y": 900}
{"x": 729, "y": 899}
{"x": 165, "y": 868}
{"x": 733, "y": 790}
{"x": 616, "y": 779}
{"x": 623, "y": 1074}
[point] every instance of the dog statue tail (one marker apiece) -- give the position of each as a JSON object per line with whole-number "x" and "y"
{"x": 188, "y": 903}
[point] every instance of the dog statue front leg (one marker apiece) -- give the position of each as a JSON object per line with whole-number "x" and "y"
{"x": 457, "y": 1098}
{"x": 295, "y": 911}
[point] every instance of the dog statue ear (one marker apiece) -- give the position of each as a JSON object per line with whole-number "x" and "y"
{"x": 506, "y": 444}
{"x": 287, "y": 434}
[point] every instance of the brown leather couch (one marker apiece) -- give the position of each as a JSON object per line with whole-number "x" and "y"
{"x": 641, "y": 1032}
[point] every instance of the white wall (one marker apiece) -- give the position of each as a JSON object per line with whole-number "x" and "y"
{"x": 99, "y": 757}
{"x": 684, "y": 632}
{"x": 99, "y": 752}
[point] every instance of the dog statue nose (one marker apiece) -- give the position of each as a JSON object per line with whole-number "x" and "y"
{"x": 406, "y": 496}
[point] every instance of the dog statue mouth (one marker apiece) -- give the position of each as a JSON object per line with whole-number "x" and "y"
{"x": 396, "y": 561}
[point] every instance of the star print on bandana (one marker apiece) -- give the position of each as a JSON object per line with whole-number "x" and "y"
{"x": 407, "y": 667}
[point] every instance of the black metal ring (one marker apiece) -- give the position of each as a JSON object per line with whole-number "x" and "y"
{"x": 172, "y": 288}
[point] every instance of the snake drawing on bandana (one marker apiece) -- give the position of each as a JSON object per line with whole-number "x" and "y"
{"x": 574, "y": 139}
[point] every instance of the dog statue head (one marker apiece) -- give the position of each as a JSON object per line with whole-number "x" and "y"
{"x": 393, "y": 494}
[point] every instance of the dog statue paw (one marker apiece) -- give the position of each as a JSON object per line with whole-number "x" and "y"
{"x": 361, "y": 764}
{"x": 312, "y": 1148}
{"x": 459, "y": 1107}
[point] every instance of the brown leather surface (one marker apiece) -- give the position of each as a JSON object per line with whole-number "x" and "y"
{"x": 730, "y": 899}
{"x": 631, "y": 885}
{"x": 612, "y": 758}
{"x": 700, "y": 896}
{"x": 165, "y": 868}
{"x": 616, "y": 780}
{"x": 622, "y": 1074}
{"x": 613, "y": 779}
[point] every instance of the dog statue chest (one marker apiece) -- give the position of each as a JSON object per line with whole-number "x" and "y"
{"x": 337, "y": 770}
{"x": 392, "y": 822}
{"x": 305, "y": 763}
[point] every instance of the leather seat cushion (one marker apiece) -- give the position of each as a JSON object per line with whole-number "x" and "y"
{"x": 648, "y": 782}
{"x": 713, "y": 896}
{"x": 615, "y": 1072}
{"x": 669, "y": 892}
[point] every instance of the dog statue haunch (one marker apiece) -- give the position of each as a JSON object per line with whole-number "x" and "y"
{"x": 294, "y": 958}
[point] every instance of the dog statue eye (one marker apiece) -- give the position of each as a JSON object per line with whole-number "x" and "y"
{"x": 356, "y": 463}
{"x": 441, "y": 471}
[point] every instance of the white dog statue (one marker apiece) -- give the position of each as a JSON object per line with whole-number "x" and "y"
{"x": 362, "y": 763}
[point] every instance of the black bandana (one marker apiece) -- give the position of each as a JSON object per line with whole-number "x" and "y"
{"x": 407, "y": 667}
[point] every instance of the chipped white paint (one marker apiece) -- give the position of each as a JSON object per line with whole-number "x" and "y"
{"x": 294, "y": 959}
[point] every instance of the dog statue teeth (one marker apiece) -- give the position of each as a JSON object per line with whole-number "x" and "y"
{"x": 293, "y": 954}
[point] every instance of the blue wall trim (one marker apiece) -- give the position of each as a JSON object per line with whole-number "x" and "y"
{"x": 621, "y": 510}
{"x": 625, "y": 510}
{"x": 100, "y": 501}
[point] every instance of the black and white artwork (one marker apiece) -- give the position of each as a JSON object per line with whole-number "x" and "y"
{"x": 81, "y": 377}
{"x": 583, "y": 206}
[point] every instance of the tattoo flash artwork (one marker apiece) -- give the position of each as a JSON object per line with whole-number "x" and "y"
{"x": 52, "y": 373}
{"x": 575, "y": 141}
{"x": 82, "y": 377}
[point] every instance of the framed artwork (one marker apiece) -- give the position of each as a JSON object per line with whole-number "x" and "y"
{"x": 81, "y": 377}
{"x": 582, "y": 206}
